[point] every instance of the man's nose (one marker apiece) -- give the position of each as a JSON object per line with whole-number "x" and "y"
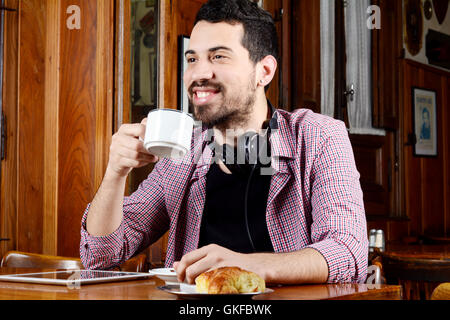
{"x": 202, "y": 70}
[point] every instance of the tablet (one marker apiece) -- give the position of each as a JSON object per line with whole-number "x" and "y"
{"x": 73, "y": 277}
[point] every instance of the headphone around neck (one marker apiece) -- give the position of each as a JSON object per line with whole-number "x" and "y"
{"x": 252, "y": 150}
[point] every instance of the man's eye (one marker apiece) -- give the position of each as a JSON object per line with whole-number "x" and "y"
{"x": 190, "y": 60}
{"x": 218, "y": 57}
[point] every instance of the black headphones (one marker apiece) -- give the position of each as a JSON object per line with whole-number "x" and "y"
{"x": 252, "y": 150}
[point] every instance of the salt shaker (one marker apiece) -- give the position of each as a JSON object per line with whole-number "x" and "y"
{"x": 372, "y": 236}
{"x": 379, "y": 240}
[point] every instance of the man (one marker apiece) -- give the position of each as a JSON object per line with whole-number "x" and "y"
{"x": 304, "y": 224}
{"x": 425, "y": 131}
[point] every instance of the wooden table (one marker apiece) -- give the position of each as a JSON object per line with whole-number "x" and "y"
{"x": 146, "y": 289}
{"x": 419, "y": 268}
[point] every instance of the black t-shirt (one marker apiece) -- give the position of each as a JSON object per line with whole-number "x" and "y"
{"x": 223, "y": 221}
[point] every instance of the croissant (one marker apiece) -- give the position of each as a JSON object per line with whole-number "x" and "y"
{"x": 229, "y": 280}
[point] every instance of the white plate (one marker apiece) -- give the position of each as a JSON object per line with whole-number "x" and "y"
{"x": 166, "y": 274}
{"x": 188, "y": 294}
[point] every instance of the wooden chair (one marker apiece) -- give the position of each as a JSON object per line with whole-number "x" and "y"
{"x": 17, "y": 259}
{"x": 442, "y": 292}
{"x": 418, "y": 276}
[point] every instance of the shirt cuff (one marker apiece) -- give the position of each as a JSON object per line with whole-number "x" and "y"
{"x": 341, "y": 264}
{"x": 100, "y": 252}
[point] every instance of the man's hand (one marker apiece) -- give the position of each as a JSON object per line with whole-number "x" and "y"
{"x": 213, "y": 256}
{"x": 127, "y": 150}
{"x": 303, "y": 266}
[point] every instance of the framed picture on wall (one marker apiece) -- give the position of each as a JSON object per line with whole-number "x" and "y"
{"x": 424, "y": 122}
{"x": 183, "y": 102}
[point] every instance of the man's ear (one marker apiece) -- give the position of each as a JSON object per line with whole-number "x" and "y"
{"x": 266, "y": 70}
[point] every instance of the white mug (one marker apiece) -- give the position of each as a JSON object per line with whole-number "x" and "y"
{"x": 168, "y": 133}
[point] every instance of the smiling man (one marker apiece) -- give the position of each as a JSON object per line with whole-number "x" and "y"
{"x": 303, "y": 224}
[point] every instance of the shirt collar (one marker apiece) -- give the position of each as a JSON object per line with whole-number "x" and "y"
{"x": 282, "y": 143}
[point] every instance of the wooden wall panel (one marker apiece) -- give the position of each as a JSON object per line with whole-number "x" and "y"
{"x": 8, "y": 187}
{"x": 432, "y": 169}
{"x": 51, "y": 127}
{"x": 59, "y": 141}
{"x": 32, "y": 43}
{"x": 104, "y": 100}
{"x": 413, "y": 200}
{"x": 77, "y": 124}
{"x": 426, "y": 179}
{"x": 122, "y": 69}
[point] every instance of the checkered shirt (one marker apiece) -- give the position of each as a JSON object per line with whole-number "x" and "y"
{"x": 315, "y": 201}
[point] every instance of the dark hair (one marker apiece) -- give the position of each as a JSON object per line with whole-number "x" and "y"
{"x": 260, "y": 36}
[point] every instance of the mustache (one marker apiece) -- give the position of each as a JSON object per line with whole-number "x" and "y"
{"x": 207, "y": 83}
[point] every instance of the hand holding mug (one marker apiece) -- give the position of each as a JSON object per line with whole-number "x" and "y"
{"x": 127, "y": 149}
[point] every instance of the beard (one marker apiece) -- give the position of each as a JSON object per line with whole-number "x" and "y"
{"x": 234, "y": 111}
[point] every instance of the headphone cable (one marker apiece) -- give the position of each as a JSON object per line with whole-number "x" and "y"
{"x": 246, "y": 208}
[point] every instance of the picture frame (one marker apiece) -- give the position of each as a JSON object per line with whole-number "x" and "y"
{"x": 183, "y": 101}
{"x": 424, "y": 113}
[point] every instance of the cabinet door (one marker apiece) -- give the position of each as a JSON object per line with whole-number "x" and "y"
{"x": 376, "y": 162}
{"x": 305, "y": 61}
{"x": 386, "y": 56}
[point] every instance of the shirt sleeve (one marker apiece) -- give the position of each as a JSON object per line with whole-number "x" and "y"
{"x": 144, "y": 221}
{"x": 339, "y": 230}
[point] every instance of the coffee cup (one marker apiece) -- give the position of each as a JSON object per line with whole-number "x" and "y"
{"x": 168, "y": 133}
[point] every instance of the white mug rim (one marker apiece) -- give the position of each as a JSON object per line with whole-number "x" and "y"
{"x": 167, "y": 109}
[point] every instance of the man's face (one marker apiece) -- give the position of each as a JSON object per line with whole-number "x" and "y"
{"x": 220, "y": 77}
{"x": 426, "y": 118}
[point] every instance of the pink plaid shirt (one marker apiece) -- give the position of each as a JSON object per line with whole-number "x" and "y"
{"x": 315, "y": 201}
